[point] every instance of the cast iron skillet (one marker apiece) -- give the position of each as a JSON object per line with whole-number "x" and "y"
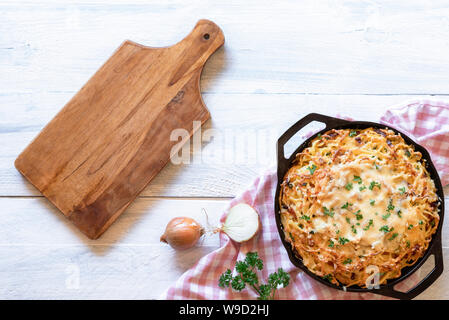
{"x": 435, "y": 247}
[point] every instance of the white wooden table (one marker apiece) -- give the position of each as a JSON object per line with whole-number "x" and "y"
{"x": 281, "y": 61}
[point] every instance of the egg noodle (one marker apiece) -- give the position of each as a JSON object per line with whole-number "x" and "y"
{"x": 358, "y": 198}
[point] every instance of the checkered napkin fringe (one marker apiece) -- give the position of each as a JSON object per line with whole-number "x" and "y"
{"x": 427, "y": 122}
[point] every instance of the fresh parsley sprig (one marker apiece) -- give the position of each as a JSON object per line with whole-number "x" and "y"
{"x": 246, "y": 275}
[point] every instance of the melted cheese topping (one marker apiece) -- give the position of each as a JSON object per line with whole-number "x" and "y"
{"x": 357, "y": 198}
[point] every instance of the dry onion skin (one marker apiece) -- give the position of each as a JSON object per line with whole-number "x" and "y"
{"x": 358, "y": 198}
{"x": 182, "y": 233}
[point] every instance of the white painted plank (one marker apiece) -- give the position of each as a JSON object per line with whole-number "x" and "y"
{"x": 36, "y": 222}
{"x": 75, "y": 272}
{"x": 123, "y": 273}
{"x": 242, "y": 146}
{"x": 284, "y": 46}
{"x": 43, "y": 254}
{"x": 45, "y": 257}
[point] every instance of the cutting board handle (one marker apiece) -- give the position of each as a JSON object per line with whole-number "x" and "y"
{"x": 205, "y": 38}
{"x": 208, "y": 33}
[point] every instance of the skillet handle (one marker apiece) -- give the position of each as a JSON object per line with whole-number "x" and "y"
{"x": 328, "y": 121}
{"x": 424, "y": 283}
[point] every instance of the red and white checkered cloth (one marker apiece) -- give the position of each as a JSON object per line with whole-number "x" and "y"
{"x": 425, "y": 121}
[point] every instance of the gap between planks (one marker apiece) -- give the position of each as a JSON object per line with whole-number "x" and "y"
{"x": 138, "y": 197}
{"x": 299, "y": 93}
{"x": 446, "y": 198}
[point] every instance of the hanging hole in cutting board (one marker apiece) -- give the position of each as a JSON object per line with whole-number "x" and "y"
{"x": 294, "y": 142}
{"x": 206, "y": 36}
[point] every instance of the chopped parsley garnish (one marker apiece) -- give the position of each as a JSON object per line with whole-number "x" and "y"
{"x": 421, "y": 222}
{"x": 328, "y": 277}
{"x": 402, "y": 190}
{"x": 353, "y": 229}
{"x": 348, "y": 220}
{"x": 386, "y": 216}
{"x": 410, "y": 226}
{"x": 353, "y": 133}
{"x": 347, "y": 261}
{"x": 390, "y": 205}
{"x": 399, "y": 212}
{"x": 331, "y": 244}
{"x": 370, "y": 223}
{"x": 386, "y": 229}
{"x": 407, "y": 153}
{"x": 348, "y": 186}
{"x": 408, "y": 244}
{"x": 374, "y": 184}
{"x": 328, "y": 212}
{"x": 342, "y": 240}
{"x": 304, "y": 217}
{"x": 358, "y": 215}
{"x": 300, "y": 225}
{"x": 358, "y": 179}
{"x": 432, "y": 223}
{"x": 376, "y": 166}
{"x": 311, "y": 169}
{"x": 346, "y": 205}
{"x": 362, "y": 188}
{"x": 291, "y": 236}
{"x": 393, "y": 236}
{"x": 372, "y": 202}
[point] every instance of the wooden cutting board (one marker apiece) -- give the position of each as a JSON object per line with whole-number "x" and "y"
{"x": 113, "y": 136}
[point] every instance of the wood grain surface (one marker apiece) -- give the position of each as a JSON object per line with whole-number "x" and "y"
{"x": 281, "y": 61}
{"x": 114, "y": 135}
